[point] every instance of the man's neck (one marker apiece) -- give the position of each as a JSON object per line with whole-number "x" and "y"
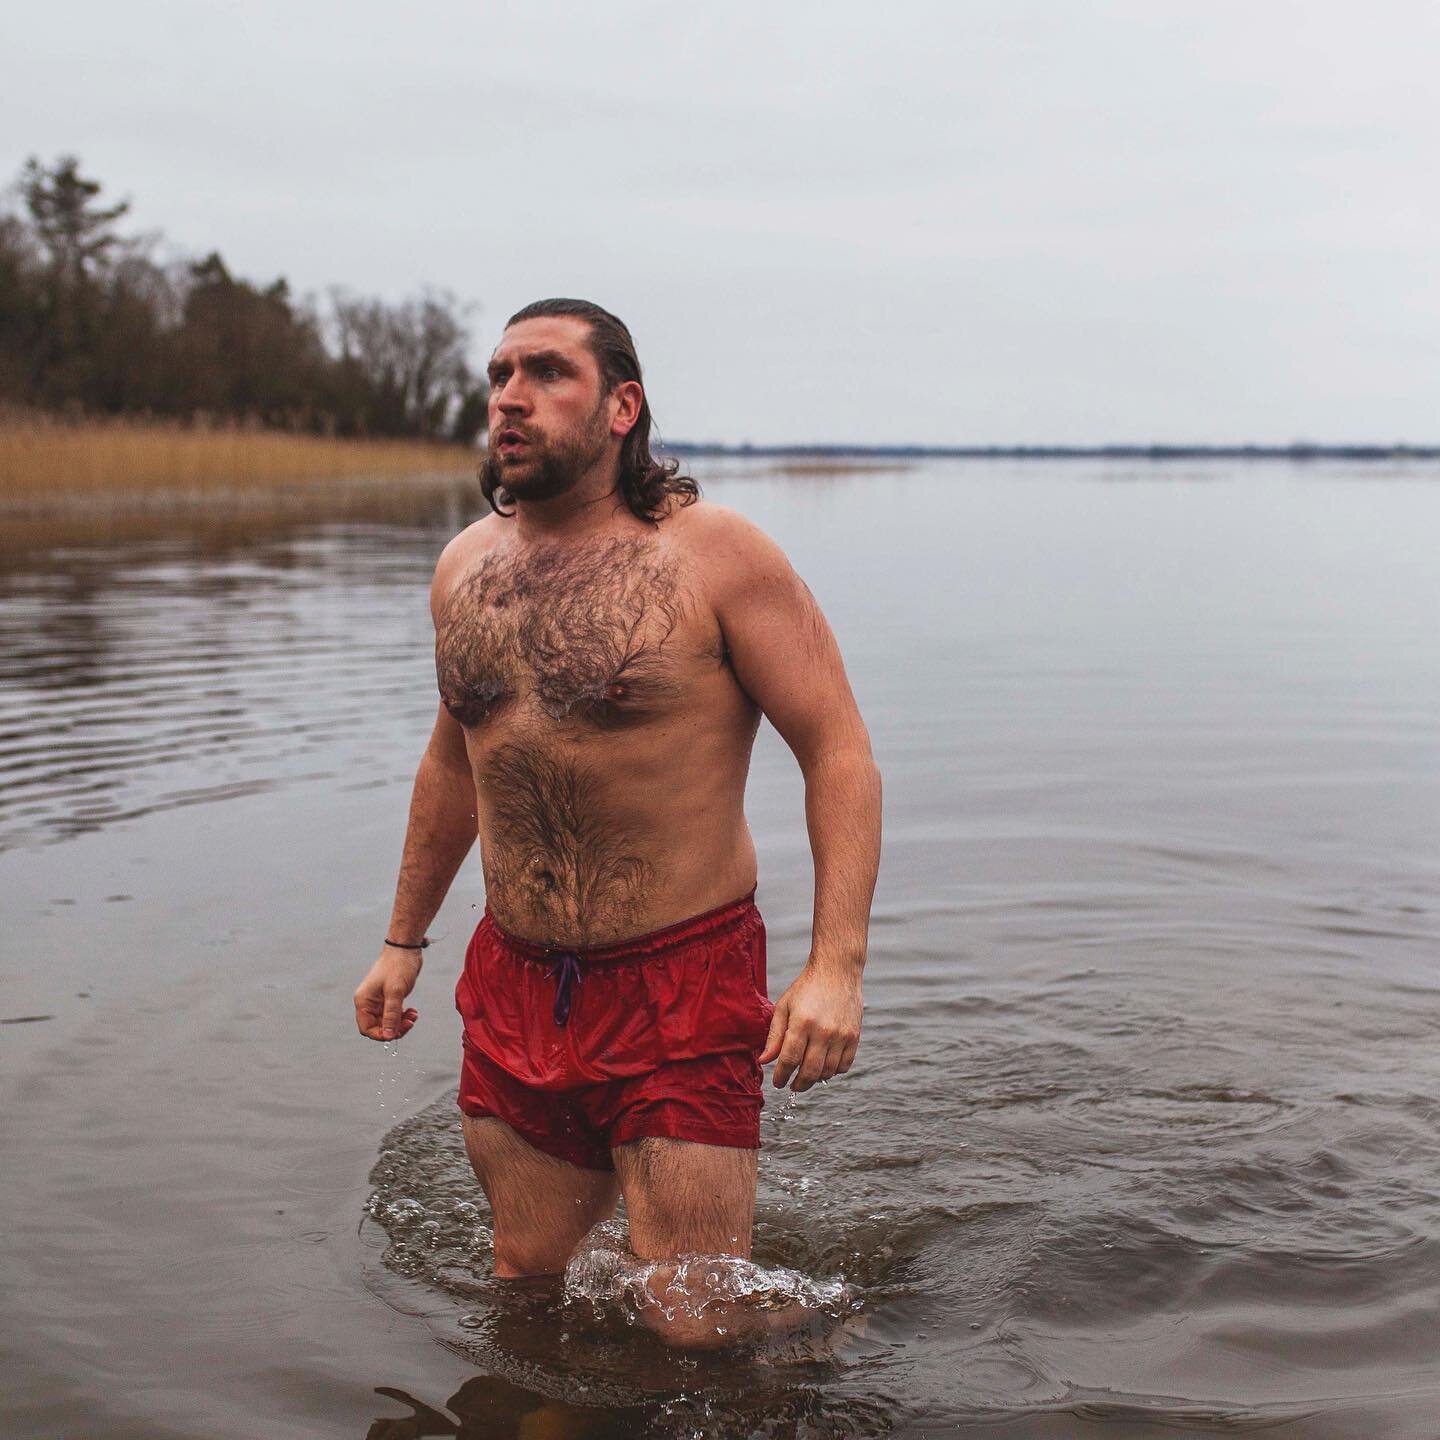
{"x": 586, "y": 509}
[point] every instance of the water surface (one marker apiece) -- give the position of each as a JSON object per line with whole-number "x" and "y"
{"x": 1144, "y": 1136}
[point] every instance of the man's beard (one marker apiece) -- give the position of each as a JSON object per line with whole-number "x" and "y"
{"x": 552, "y": 467}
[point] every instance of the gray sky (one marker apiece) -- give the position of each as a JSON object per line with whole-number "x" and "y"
{"x": 975, "y": 221}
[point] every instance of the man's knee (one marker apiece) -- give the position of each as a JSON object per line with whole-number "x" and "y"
{"x": 685, "y": 1332}
{"x": 685, "y": 1315}
{"x": 522, "y": 1255}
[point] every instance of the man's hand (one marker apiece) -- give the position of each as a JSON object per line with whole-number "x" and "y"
{"x": 382, "y": 993}
{"x": 815, "y": 1030}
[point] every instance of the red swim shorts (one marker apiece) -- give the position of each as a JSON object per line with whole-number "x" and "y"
{"x": 580, "y": 1050}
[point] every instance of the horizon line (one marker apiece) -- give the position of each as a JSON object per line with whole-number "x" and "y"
{"x": 1296, "y": 450}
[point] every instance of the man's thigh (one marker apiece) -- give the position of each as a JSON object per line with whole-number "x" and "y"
{"x": 540, "y": 1206}
{"x": 685, "y": 1198}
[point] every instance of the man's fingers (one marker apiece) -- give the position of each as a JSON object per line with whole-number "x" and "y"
{"x": 374, "y": 1028}
{"x": 792, "y": 1055}
{"x": 812, "y": 1068}
{"x": 367, "y": 1014}
{"x": 823, "y": 1060}
{"x": 776, "y": 1037}
{"x": 390, "y": 1021}
{"x": 833, "y": 1056}
{"x": 811, "y": 1055}
{"x": 367, "y": 1018}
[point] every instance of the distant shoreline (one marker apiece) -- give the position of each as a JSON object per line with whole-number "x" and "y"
{"x": 48, "y": 463}
{"x": 1296, "y": 452}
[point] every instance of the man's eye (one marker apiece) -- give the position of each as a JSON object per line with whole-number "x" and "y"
{"x": 549, "y": 372}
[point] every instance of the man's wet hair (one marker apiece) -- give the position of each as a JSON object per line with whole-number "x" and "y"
{"x": 645, "y": 483}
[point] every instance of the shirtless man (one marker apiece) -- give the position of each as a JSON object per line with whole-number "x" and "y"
{"x": 605, "y": 646}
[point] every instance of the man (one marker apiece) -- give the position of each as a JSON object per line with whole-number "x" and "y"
{"x": 605, "y": 646}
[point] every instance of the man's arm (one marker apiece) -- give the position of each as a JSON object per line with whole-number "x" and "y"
{"x": 437, "y": 840}
{"x": 438, "y": 837}
{"x": 786, "y": 658}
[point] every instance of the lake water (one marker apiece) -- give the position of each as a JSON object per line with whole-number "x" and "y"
{"x": 1144, "y": 1134}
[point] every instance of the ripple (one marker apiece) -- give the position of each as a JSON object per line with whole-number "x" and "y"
{"x": 115, "y": 697}
{"x": 1143, "y": 1130}
{"x": 1189, "y": 1112}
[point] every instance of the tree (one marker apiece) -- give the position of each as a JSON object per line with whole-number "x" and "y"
{"x": 75, "y": 231}
{"x": 89, "y": 322}
{"x": 250, "y": 353}
{"x": 76, "y": 236}
{"x": 404, "y": 367}
{"x": 22, "y": 314}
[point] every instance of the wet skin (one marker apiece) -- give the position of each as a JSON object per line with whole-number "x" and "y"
{"x": 602, "y": 676}
{"x": 601, "y": 679}
{"x": 606, "y": 733}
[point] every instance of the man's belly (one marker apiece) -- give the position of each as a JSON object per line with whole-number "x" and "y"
{"x": 581, "y": 849}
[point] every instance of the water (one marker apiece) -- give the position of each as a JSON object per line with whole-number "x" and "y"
{"x": 1144, "y": 1133}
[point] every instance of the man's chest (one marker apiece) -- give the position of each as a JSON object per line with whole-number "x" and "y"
{"x": 608, "y": 636}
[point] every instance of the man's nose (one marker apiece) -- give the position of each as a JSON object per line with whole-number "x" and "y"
{"x": 511, "y": 398}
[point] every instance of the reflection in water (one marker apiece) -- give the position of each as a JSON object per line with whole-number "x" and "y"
{"x": 488, "y": 1408}
{"x": 182, "y": 657}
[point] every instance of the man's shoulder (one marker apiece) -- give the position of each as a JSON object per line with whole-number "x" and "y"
{"x": 463, "y": 553}
{"x": 717, "y": 536}
{"x": 471, "y": 543}
{"x": 727, "y": 549}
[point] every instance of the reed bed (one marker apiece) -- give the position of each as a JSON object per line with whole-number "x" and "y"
{"x": 45, "y": 461}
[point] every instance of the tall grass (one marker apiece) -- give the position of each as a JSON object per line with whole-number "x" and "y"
{"x": 42, "y": 459}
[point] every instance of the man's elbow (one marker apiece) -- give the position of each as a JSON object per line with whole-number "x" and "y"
{"x": 848, "y": 756}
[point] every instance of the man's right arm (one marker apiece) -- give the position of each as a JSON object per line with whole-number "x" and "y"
{"x": 439, "y": 835}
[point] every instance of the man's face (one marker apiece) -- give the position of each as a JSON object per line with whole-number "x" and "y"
{"x": 549, "y": 410}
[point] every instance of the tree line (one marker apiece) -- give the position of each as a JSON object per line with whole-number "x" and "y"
{"x": 91, "y": 324}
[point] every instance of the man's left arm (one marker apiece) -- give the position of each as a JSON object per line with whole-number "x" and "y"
{"x": 785, "y": 656}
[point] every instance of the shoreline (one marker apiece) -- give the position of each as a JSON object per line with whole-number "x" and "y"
{"x": 49, "y": 465}
{"x": 1298, "y": 452}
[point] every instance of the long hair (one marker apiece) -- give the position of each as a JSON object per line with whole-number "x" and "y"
{"x": 645, "y": 482}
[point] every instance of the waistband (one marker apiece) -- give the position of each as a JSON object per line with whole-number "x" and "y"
{"x": 670, "y": 937}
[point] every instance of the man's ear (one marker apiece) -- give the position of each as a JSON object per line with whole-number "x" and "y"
{"x": 629, "y": 396}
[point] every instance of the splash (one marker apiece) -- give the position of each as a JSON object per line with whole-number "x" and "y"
{"x": 605, "y": 1274}
{"x": 399, "y": 1075}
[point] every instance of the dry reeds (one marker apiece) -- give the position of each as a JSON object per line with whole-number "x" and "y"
{"x": 45, "y": 461}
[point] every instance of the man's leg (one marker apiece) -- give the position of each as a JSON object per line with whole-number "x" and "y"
{"x": 540, "y": 1206}
{"x": 683, "y": 1198}
{"x": 687, "y": 1199}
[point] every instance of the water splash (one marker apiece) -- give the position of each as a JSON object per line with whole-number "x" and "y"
{"x": 442, "y": 1240}
{"x": 605, "y": 1274}
{"x": 399, "y": 1077}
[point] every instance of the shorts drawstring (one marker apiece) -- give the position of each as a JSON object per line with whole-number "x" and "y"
{"x": 566, "y": 974}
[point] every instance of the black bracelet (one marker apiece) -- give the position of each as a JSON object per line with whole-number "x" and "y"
{"x": 399, "y": 945}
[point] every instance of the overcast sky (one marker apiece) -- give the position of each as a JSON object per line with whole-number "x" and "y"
{"x": 971, "y": 221}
